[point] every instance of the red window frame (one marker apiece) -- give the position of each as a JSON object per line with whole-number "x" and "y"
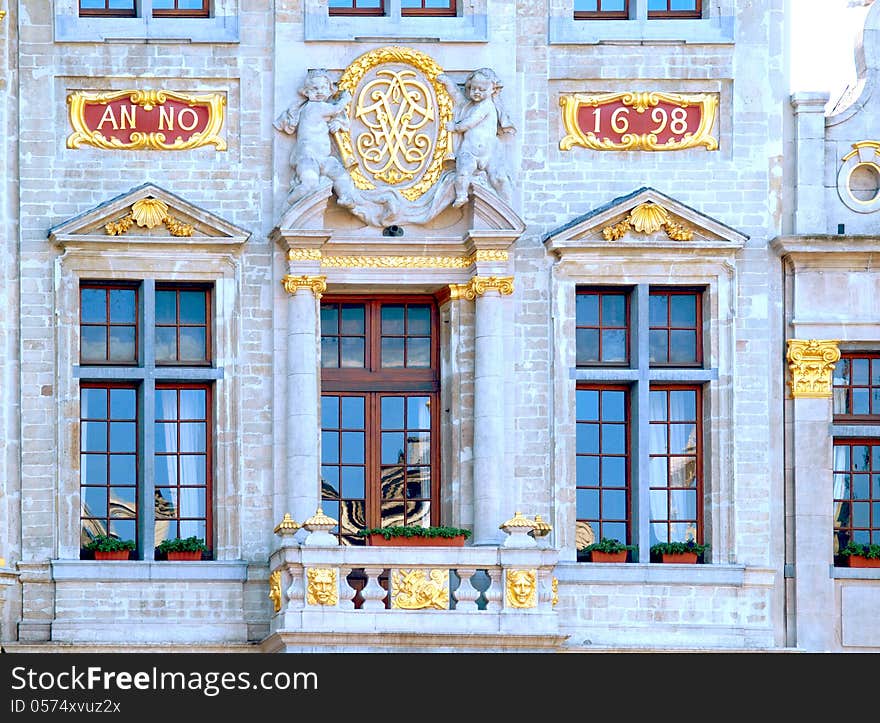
{"x": 373, "y": 382}
{"x": 600, "y": 14}
{"x": 177, "y": 12}
{"x": 602, "y": 456}
{"x": 668, "y": 488}
{"x": 600, "y": 327}
{"x": 845, "y": 388}
{"x": 108, "y": 324}
{"x": 178, "y": 325}
{"x": 176, "y": 519}
{"x": 695, "y": 12}
{"x": 451, "y": 10}
{"x": 356, "y": 10}
{"x": 697, "y": 328}
{"x": 91, "y": 525}
{"x": 107, "y": 11}
{"x": 860, "y": 490}
{"x": 131, "y": 12}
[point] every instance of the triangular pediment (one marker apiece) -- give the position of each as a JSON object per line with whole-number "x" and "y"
{"x": 644, "y": 219}
{"x": 148, "y": 215}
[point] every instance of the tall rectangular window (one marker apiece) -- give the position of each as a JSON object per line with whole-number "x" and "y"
{"x": 379, "y": 441}
{"x": 857, "y": 387}
{"x": 108, "y": 324}
{"x": 856, "y": 469}
{"x": 675, "y": 329}
{"x": 183, "y": 334}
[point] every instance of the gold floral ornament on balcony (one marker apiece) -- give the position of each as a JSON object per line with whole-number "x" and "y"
{"x": 148, "y": 213}
{"x": 419, "y": 589}
{"x": 648, "y": 218}
{"x": 811, "y": 363}
{"x": 145, "y": 120}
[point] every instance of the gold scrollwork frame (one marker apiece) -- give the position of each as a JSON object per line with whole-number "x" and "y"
{"x": 639, "y": 101}
{"x": 350, "y": 80}
{"x": 78, "y": 100}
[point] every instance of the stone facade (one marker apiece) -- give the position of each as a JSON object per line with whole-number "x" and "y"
{"x": 779, "y": 242}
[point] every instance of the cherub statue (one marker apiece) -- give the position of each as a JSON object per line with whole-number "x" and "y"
{"x": 480, "y": 118}
{"x": 312, "y": 121}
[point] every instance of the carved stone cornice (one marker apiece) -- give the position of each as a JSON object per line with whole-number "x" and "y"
{"x": 479, "y": 285}
{"x": 811, "y": 363}
{"x": 316, "y": 284}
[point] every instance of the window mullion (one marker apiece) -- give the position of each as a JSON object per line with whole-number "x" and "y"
{"x": 146, "y": 471}
{"x": 641, "y": 429}
{"x": 638, "y": 10}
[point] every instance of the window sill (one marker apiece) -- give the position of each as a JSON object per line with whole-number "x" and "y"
{"x": 635, "y": 573}
{"x": 148, "y": 570}
{"x": 566, "y": 30}
{"x": 75, "y": 29}
{"x": 855, "y": 573}
{"x": 468, "y": 29}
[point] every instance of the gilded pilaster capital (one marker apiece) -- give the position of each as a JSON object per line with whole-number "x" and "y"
{"x": 316, "y": 284}
{"x": 479, "y": 285}
{"x": 811, "y": 363}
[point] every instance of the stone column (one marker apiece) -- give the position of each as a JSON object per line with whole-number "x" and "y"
{"x": 491, "y": 467}
{"x": 303, "y": 430}
{"x": 809, "y": 113}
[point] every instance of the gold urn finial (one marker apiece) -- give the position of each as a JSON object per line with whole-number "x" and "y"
{"x": 542, "y": 528}
{"x": 287, "y": 526}
{"x": 318, "y": 521}
{"x": 517, "y": 521}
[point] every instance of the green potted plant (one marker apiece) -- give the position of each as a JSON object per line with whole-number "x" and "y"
{"x": 861, "y": 554}
{"x": 414, "y": 536}
{"x": 607, "y": 550}
{"x": 678, "y": 552}
{"x": 107, "y": 547}
{"x": 182, "y": 548}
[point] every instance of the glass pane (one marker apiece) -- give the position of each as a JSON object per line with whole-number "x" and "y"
{"x": 353, "y": 447}
{"x": 192, "y": 307}
{"x": 93, "y": 342}
{"x": 656, "y": 5}
{"x": 659, "y": 471}
{"x": 352, "y": 412}
{"x": 330, "y": 482}
{"x": 418, "y": 448}
{"x": 392, "y": 412}
{"x": 166, "y": 437}
{"x": 123, "y": 403}
{"x": 861, "y": 486}
{"x": 659, "y": 532}
{"x": 165, "y": 503}
{"x": 614, "y": 504}
{"x": 122, "y": 4}
{"x": 612, "y": 5}
{"x": 122, "y": 343}
{"x": 192, "y": 403}
{"x": 166, "y": 307}
{"x": 658, "y": 310}
{"x": 122, "y": 306}
{"x": 860, "y": 371}
{"x": 683, "y": 346}
{"x": 166, "y": 404}
{"x": 682, "y": 439}
{"x": 352, "y": 351}
{"x": 861, "y": 401}
{"x": 193, "y": 344}
{"x": 192, "y": 502}
{"x": 418, "y": 482}
{"x": 192, "y": 437}
{"x": 586, "y": 5}
{"x": 657, "y": 443}
{"x": 841, "y": 371}
{"x": 659, "y": 504}
{"x": 330, "y": 447}
{"x": 841, "y": 457}
{"x": 842, "y": 486}
{"x": 330, "y": 352}
{"x": 93, "y": 305}
{"x": 166, "y": 469}
{"x": 587, "y": 404}
{"x": 614, "y": 345}
{"x": 94, "y": 501}
{"x": 123, "y": 436}
{"x": 93, "y": 469}
{"x": 192, "y": 469}
{"x": 587, "y": 438}
{"x": 614, "y": 310}
{"x": 683, "y": 310}
{"x": 614, "y": 471}
{"x": 875, "y": 371}
{"x": 418, "y": 412}
{"x": 418, "y": 352}
{"x": 418, "y": 513}
{"x": 683, "y": 5}
{"x": 419, "y": 320}
{"x": 680, "y": 531}
{"x": 875, "y": 400}
{"x": 392, "y": 319}
{"x": 659, "y": 412}
{"x": 353, "y": 483}
{"x": 352, "y": 321}
{"x": 587, "y": 502}
{"x": 841, "y": 514}
{"x": 683, "y": 504}
{"x": 587, "y": 310}
{"x": 392, "y": 351}
{"x": 166, "y": 343}
{"x": 841, "y": 398}
{"x": 392, "y": 485}
{"x": 392, "y": 447}
{"x": 683, "y": 405}
{"x": 875, "y": 493}
{"x": 613, "y": 409}
{"x": 860, "y": 458}
{"x": 122, "y": 501}
{"x": 352, "y": 516}
{"x": 682, "y": 472}
{"x": 614, "y": 530}
{"x": 861, "y": 512}
{"x": 189, "y": 4}
{"x": 329, "y": 319}
{"x": 587, "y": 471}
{"x": 330, "y": 412}
{"x": 613, "y": 439}
{"x": 93, "y": 403}
{"x": 587, "y": 341}
{"x": 192, "y": 528}
{"x": 94, "y": 436}
{"x": 123, "y": 529}
{"x": 657, "y": 343}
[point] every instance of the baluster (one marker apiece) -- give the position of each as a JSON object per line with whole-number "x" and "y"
{"x": 495, "y": 591}
{"x": 346, "y": 591}
{"x": 373, "y": 593}
{"x": 296, "y": 592}
{"x": 466, "y": 595}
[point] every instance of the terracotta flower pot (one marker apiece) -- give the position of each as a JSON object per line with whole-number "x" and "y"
{"x": 680, "y": 558}
{"x": 862, "y": 561}
{"x": 185, "y": 555}
{"x": 599, "y": 556}
{"x": 378, "y": 540}
{"x": 112, "y": 554}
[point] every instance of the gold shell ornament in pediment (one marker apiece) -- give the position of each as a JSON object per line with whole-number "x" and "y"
{"x": 398, "y": 136}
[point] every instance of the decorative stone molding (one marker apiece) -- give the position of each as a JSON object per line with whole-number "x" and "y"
{"x": 275, "y": 590}
{"x": 415, "y": 590}
{"x": 322, "y": 586}
{"x": 864, "y": 157}
{"x": 148, "y": 213}
{"x": 316, "y": 284}
{"x": 811, "y": 364}
{"x": 648, "y": 218}
{"x": 521, "y": 588}
{"x": 479, "y": 285}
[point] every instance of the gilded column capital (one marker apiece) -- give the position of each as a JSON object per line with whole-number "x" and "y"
{"x": 316, "y": 284}
{"x": 811, "y": 363}
{"x": 479, "y": 285}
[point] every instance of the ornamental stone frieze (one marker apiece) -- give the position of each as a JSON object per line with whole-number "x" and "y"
{"x": 811, "y": 363}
